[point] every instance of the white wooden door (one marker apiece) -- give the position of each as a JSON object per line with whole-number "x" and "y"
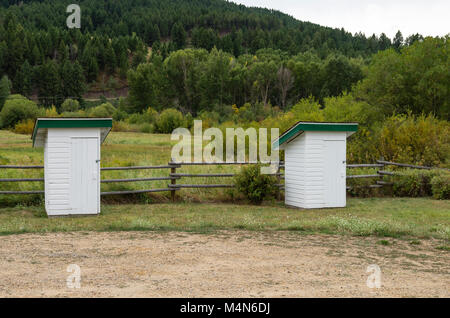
{"x": 85, "y": 176}
{"x": 335, "y": 173}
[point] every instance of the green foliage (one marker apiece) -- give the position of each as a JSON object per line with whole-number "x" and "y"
{"x": 254, "y": 185}
{"x": 415, "y": 79}
{"x": 422, "y": 140}
{"x": 359, "y": 187}
{"x": 4, "y": 90}
{"x": 104, "y": 110}
{"x": 440, "y": 186}
{"x": 119, "y": 115}
{"x": 169, "y": 120}
{"x": 17, "y": 108}
{"x": 70, "y": 105}
{"x": 79, "y": 113}
{"x": 147, "y": 128}
{"x": 413, "y": 183}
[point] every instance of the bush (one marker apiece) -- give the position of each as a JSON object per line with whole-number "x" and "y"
{"x": 169, "y": 120}
{"x": 24, "y": 127}
{"x": 254, "y": 185}
{"x": 70, "y": 105}
{"x": 102, "y": 111}
{"x": 149, "y": 116}
{"x": 17, "y": 108}
{"x": 80, "y": 113}
{"x": 147, "y": 128}
{"x": 413, "y": 183}
{"x": 440, "y": 186}
{"x": 422, "y": 140}
{"x": 119, "y": 115}
{"x": 51, "y": 112}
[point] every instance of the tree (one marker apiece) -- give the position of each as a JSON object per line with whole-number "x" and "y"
{"x": 48, "y": 84}
{"x": 263, "y": 76}
{"x": 415, "y": 79}
{"x": 70, "y": 105}
{"x": 339, "y": 75}
{"x": 110, "y": 59}
{"x": 178, "y": 35}
{"x": 72, "y": 80}
{"x": 398, "y": 40}
{"x": 4, "y": 90}
{"x": 285, "y": 81}
{"x": 23, "y": 82}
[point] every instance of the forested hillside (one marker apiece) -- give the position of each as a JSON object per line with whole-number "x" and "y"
{"x": 228, "y": 65}
{"x": 43, "y": 58}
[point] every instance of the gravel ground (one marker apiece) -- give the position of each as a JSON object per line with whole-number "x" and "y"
{"x": 223, "y": 264}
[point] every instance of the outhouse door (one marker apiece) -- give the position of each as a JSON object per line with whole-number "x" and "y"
{"x": 85, "y": 170}
{"x": 335, "y": 173}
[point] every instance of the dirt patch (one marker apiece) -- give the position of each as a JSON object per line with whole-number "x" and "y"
{"x": 224, "y": 264}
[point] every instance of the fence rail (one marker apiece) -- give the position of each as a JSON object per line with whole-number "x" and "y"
{"x": 173, "y": 176}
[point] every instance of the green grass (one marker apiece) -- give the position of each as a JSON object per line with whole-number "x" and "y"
{"x": 417, "y": 218}
{"x": 383, "y": 217}
{"x": 120, "y": 149}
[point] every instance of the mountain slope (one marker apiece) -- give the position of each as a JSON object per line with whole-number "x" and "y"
{"x": 205, "y": 21}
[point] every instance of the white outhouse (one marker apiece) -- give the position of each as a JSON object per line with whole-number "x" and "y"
{"x": 71, "y": 163}
{"x": 315, "y": 163}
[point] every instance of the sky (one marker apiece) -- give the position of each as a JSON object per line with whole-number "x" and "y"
{"x": 427, "y": 17}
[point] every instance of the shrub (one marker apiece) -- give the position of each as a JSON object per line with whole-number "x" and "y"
{"x": 70, "y": 105}
{"x": 17, "y": 108}
{"x": 413, "y": 183}
{"x": 119, "y": 115}
{"x": 254, "y": 185}
{"x": 104, "y": 110}
{"x": 24, "y": 127}
{"x": 440, "y": 186}
{"x": 169, "y": 120}
{"x": 422, "y": 140}
{"x": 149, "y": 116}
{"x": 51, "y": 112}
{"x": 80, "y": 113}
{"x": 147, "y": 128}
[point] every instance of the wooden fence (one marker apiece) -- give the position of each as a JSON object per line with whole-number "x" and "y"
{"x": 173, "y": 176}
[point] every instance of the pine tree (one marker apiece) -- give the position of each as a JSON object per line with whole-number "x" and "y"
{"x": 49, "y": 92}
{"x": 23, "y": 81}
{"x": 178, "y": 35}
{"x": 398, "y": 40}
{"x": 110, "y": 59}
{"x": 4, "y": 90}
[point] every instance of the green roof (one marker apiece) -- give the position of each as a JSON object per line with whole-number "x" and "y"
{"x": 43, "y": 123}
{"x": 302, "y": 126}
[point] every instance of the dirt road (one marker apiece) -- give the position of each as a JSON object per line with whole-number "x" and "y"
{"x": 224, "y": 264}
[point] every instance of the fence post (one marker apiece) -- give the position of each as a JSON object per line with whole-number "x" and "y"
{"x": 173, "y": 180}
{"x": 382, "y": 168}
{"x": 279, "y": 181}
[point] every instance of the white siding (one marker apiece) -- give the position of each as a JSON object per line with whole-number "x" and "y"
{"x": 58, "y": 167}
{"x": 305, "y": 169}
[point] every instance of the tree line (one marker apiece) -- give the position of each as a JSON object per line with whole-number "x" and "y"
{"x": 204, "y": 54}
{"x": 197, "y": 80}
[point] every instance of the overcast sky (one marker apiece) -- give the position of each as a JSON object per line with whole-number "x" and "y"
{"x": 368, "y": 16}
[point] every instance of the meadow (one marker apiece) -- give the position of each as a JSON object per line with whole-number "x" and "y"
{"x": 199, "y": 210}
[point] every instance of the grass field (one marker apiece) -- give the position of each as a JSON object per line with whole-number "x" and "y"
{"x": 120, "y": 149}
{"x": 424, "y": 218}
{"x": 396, "y": 217}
